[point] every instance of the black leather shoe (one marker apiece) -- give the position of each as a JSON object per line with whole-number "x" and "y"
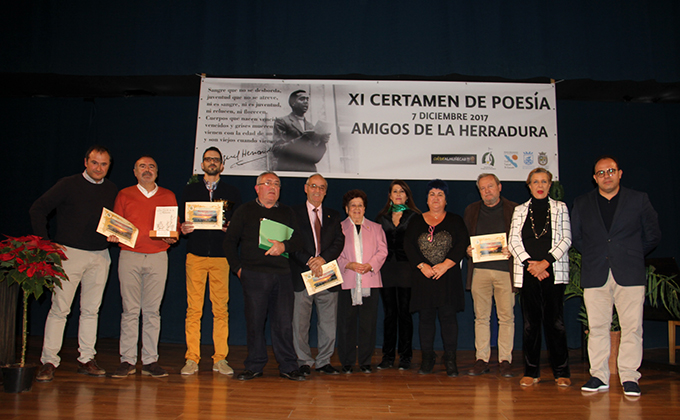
{"x": 347, "y": 369}
{"x": 385, "y": 364}
{"x": 479, "y": 368}
{"x": 404, "y": 363}
{"x": 293, "y": 375}
{"x": 366, "y": 368}
{"x": 247, "y": 375}
{"x": 328, "y": 370}
{"x": 305, "y": 370}
{"x": 505, "y": 369}
{"x": 427, "y": 364}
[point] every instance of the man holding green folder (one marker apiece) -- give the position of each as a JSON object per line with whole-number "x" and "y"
{"x": 265, "y": 277}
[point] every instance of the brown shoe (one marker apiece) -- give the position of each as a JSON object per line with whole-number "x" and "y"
{"x": 480, "y": 367}
{"x": 154, "y": 370}
{"x": 505, "y": 369}
{"x": 563, "y": 382}
{"x": 46, "y": 373}
{"x": 529, "y": 381}
{"x": 91, "y": 368}
{"x": 124, "y": 370}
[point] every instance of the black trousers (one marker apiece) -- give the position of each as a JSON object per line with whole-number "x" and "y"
{"x": 357, "y": 327}
{"x": 269, "y": 294}
{"x": 398, "y": 319}
{"x": 543, "y": 303}
{"x": 448, "y": 321}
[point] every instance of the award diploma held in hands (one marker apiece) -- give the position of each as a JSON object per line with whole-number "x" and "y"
{"x": 270, "y": 229}
{"x": 331, "y": 277}
{"x": 488, "y": 247}
{"x": 114, "y": 224}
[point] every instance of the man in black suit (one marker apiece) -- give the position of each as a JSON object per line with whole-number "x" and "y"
{"x": 323, "y": 241}
{"x": 614, "y": 228}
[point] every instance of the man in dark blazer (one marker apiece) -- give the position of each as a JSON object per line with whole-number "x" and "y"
{"x": 330, "y": 243}
{"x": 614, "y": 228}
{"x": 298, "y": 145}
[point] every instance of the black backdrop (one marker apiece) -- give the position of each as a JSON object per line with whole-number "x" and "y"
{"x": 44, "y": 135}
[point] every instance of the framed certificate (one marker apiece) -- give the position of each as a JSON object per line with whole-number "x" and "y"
{"x": 111, "y": 223}
{"x": 331, "y": 277}
{"x": 205, "y": 215}
{"x": 488, "y": 247}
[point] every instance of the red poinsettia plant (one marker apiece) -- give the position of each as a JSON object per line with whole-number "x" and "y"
{"x": 34, "y": 263}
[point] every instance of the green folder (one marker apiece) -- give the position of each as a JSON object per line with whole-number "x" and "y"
{"x": 270, "y": 229}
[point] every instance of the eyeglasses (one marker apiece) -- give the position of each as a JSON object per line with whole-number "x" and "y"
{"x": 608, "y": 172}
{"x": 356, "y": 206}
{"x": 319, "y": 187}
{"x": 275, "y": 184}
{"x": 212, "y": 160}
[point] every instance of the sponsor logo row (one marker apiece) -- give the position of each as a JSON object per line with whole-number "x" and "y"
{"x": 507, "y": 160}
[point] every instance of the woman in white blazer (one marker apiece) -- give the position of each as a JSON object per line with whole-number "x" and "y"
{"x": 540, "y": 238}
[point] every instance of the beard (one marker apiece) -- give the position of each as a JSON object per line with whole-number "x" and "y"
{"x": 212, "y": 170}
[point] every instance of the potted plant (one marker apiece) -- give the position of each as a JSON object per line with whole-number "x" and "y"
{"x": 663, "y": 291}
{"x": 33, "y": 263}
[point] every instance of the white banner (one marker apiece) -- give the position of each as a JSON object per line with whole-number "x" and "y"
{"x": 378, "y": 129}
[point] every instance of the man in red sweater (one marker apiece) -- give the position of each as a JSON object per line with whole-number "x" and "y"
{"x": 142, "y": 270}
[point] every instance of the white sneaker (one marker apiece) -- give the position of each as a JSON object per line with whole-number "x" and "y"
{"x": 189, "y": 368}
{"x": 223, "y": 367}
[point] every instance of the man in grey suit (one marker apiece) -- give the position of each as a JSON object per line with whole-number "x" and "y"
{"x": 323, "y": 241}
{"x": 614, "y": 228}
{"x": 298, "y": 144}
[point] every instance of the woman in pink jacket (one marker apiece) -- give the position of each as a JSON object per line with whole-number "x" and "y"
{"x": 360, "y": 262}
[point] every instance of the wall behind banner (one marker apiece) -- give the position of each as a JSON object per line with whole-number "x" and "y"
{"x": 605, "y": 40}
{"x": 44, "y": 139}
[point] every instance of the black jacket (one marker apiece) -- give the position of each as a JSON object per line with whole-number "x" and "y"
{"x": 208, "y": 243}
{"x": 633, "y": 234}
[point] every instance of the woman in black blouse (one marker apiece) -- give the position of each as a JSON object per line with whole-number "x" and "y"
{"x": 396, "y": 276}
{"x": 435, "y": 243}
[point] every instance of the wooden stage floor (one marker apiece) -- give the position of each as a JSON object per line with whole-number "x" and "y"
{"x": 387, "y": 394}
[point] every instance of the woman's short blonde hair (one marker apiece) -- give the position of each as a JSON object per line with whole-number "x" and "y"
{"x": 539, "y": 171}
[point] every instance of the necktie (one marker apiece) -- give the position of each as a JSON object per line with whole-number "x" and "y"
{"x": 317, "y": 230}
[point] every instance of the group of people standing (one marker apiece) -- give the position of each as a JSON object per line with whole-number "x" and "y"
{"x": 78, "y": 201}
{"x": 613, "y": 227}
{"x": 408, "y": 258}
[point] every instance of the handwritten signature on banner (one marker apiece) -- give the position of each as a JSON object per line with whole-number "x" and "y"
{"x": 245, "y": 156}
